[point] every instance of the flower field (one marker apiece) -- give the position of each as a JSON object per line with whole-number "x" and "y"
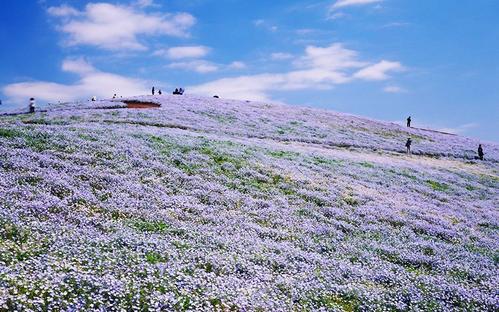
{"x": 207, "y": 204}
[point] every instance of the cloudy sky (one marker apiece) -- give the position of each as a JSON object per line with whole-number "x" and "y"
{"x": 435, "y": 60}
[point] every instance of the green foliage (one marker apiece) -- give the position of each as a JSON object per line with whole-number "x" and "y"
{"x": 29, "y": 180}
{"x": 12, "y": 232}
{"x": 341, "y": 302}
{"x": 470, "y": 187}
{"x": 322, "y": 161}
{"x": 350, "y": 200}
{"x": 43, "y": 121}
{"x": 153, "y": 257}
{"x": 9, "y": 133}
{"x": 284, "y": 154}
{"x": 183, "y": 304}
{"x": 150, "y": 226}
{"x": 60, "y": 191}
{"x": 87, "y": 137}
{"x": 437, "y": 186}
{"x": 18, "y": 243}
{"x": 367, "y": 164}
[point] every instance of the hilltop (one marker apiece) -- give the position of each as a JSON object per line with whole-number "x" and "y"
{"x": 213, "y": 204}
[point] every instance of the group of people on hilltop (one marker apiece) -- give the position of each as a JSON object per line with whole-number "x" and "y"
{"x": 408, "y": 143}
{"x": 154, "y": 91}
{"x": 177, "y": 91}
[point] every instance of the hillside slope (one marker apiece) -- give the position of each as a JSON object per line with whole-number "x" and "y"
{"x": 211, "y": 204}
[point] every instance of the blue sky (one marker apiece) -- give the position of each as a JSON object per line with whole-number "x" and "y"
{"x": 435, "y": 60}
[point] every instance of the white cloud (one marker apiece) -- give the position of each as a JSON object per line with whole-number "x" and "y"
{"x": 145, "y": 3}
{"x": 396, "y": 24}
{"x": 115, "y": 27}
{"x": 92, "y": 82}
{"x": 378, "y": 71}
{"x": 237, "y": 65}
{"x": 346, "y": 3}
{"x": 177, "y": 53}
{"x": 258, "y": 22}
{"x": 63, "y": 11}
{"x": 77, "y": 66}
{"x": 199, "y": 66}
{"x": 320, "y": 68}
{"x": 394, "y": 89}
{"x": 265, "y": 25}
{"x": 335, "y": 15}
{"x": 305, "y": 31}
{"x": 279, "y": 56}
{"x": 333, "y": 57}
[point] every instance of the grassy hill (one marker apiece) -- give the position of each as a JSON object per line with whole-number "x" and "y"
{"x": 210, "y": 204}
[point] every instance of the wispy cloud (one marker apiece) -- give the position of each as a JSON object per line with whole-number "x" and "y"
{"x": 280, "y": 56}
{"x": 396, "y": 25}
{"x": 346, "y": 3}
{"x": 145, "y": 3}
{"x": 319, "y": 68}
{"x": 92, "y": 82}
{"x": 378, "y": 71}
{"x": 63, "y": 11}
{"x": 176, "y": 53}
{"x": 115, "y": 27}
{"x": 265, "y": 24}
{"x": 199, "y": 66}
{"x": 237, "y": 65}
{"x": 394, "y": 89}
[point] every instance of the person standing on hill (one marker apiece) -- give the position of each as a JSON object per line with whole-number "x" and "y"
{"x": 408, "y": 145}
{"x": 409, "y": 121}
{"x": 480, "y": 152}
{"x": 32, "y": 105}
{"x": 159, "y": 92}
{"x": 152, "y": 90}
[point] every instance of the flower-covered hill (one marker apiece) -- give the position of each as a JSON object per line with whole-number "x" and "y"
{"x": 209, "y": 204}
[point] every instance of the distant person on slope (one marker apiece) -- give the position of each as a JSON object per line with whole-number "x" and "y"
{"x": 152, "y": 90}
{"x": 480, "y": 152}
{"x": 181, "y": 91}
{"x": 408, "y": 145}
{"x": 159, "y": 92}
{"x": 32, "y": 105}
{"x": 176, "y": 91}
{"x": 409, "y": 121}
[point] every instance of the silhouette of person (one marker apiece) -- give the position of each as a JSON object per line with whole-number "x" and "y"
{"x": 32, "y": 105}
{"x": 409, "y": 121}
{"x": 176, "y": 91}
{"x": 181, "y": 91}
{"x": 114, "y": 96}
{"x": 480, "y": 151}
{"x": 152, "y": 90}
{"x": 408, "y": 146}
{"x": 159, "y": 92}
